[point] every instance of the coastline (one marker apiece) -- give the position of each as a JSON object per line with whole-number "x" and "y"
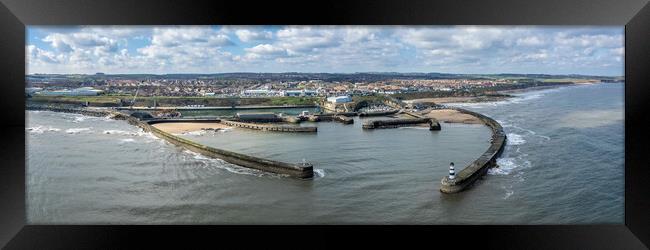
{"x": 184, "y": 127}
{"x": 452, "y": 116}
{"x": 502, "y": 95}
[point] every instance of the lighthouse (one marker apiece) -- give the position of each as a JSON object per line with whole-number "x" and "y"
{"x": 452, "y": 172}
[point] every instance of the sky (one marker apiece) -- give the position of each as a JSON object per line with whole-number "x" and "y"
{"x": 584, "y": 50}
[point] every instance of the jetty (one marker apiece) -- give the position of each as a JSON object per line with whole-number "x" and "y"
{"x": 460, "y": 181}
{"x": 269, "y": 127}
{"x": 394, "y": 123}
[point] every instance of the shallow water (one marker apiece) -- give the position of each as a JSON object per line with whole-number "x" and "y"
{"x": 83, "y": 170}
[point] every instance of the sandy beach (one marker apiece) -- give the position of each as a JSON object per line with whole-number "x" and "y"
{"x": 453, "y": 116}
{"x": 184, "y": 127}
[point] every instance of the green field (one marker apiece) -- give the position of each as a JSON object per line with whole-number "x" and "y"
{"x": 116, "y": 100}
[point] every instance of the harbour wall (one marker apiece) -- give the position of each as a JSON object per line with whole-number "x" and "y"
{"x": 343, "y": 119}
{"x": 88, "y": 112}
{"x": 265, "y": 127}
{"x": 393, "y": 123}
{"x": 390, "y": 112}
{"x": 467, "y": 176}
{"x": 295, "y": 170}
{"x": 302, "y": 171}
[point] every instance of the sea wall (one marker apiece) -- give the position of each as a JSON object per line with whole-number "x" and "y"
{"x": 88, "y": 112}
{"x": 343, "y": 119}
{"x": 266, "y": 127}
{"x": 394, "y": 123}
{"x": 384, "y": 113}
{"x": 291, "y": 169}
{"x": 295, "y": 170}
{"x": 467, "y": 176}
{"x": 193, "y": 120}
{"x": 349, "y": 114}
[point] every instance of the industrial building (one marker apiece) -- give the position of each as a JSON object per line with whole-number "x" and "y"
{"x": 260, "y": 92}
{"x": 339, "y": 99}
{"x": 302, "y": 92}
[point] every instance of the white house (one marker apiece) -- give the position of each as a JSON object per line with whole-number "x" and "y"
{"x": 339, "y": 99}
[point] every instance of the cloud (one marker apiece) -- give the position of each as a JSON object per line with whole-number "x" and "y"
{"x": 188, "y": 36}
{"x": 246, "y": 35}
{"x": 530, "y": 41}
{"x": 454, "y": 49}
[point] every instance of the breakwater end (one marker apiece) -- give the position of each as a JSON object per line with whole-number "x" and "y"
{"x": 394, "y": 123}
{"x": 467, "y": 176}
{"x": 343, "y": 119}
{"x": 266, "y": 127}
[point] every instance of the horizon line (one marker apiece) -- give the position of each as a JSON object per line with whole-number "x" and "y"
{"x": 342, "y": 73}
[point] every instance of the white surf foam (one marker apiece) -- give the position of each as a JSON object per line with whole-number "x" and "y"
{"x": 127, "y": 140}
{"x": 508, "y": 194}
{"x": 531, "y": 132}
{"x": 41, "y": 129}
{"x": 515, "y": 139}
{"x": 80, "y": 118}
{"x": 516, "y": 99}
{"x": 319, "y": 172}
{"x": 221, "y": 164}
{"x": 77, "y": 130}
{"x": 196, "y": 133}
{"x": 508, "y": 165}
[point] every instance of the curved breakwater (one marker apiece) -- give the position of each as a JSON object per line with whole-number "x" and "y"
{"x": 295, "y": 170}
{"x": 463, "y": 179}
{"x": 467, "y": 176}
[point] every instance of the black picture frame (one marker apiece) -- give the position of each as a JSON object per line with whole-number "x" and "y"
{"x": 16, "y": 14}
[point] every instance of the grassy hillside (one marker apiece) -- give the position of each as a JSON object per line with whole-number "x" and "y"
{"x": 167, "y": 101}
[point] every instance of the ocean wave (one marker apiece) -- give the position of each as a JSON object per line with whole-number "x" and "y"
{"x": 41, "y": 129}
{"x": 221, "y": 164}
{"x": 319, "y": 173}
{"x": 509, "y": 192}
{"x": 77, "y": 130}
{"x": 108, "y": 118}
{"x": 129, "y": 133}
{"x": 515, "y": 139}
{"x": 127, "y": 140}
{"x": 531, "y": 132}
{"x": 115, "y": 131}
{"x": 196, "y": 133}
{"x": 523, "y": 98}
{"x": 516, "y": 99}
{"x": 508, "y": 165}
{"x": 80, "y": 118}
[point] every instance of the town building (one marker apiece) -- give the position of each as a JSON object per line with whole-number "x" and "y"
{"x": 84, "y": 91}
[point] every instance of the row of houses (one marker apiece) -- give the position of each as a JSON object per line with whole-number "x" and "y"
{"x": 270, "y": 92}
